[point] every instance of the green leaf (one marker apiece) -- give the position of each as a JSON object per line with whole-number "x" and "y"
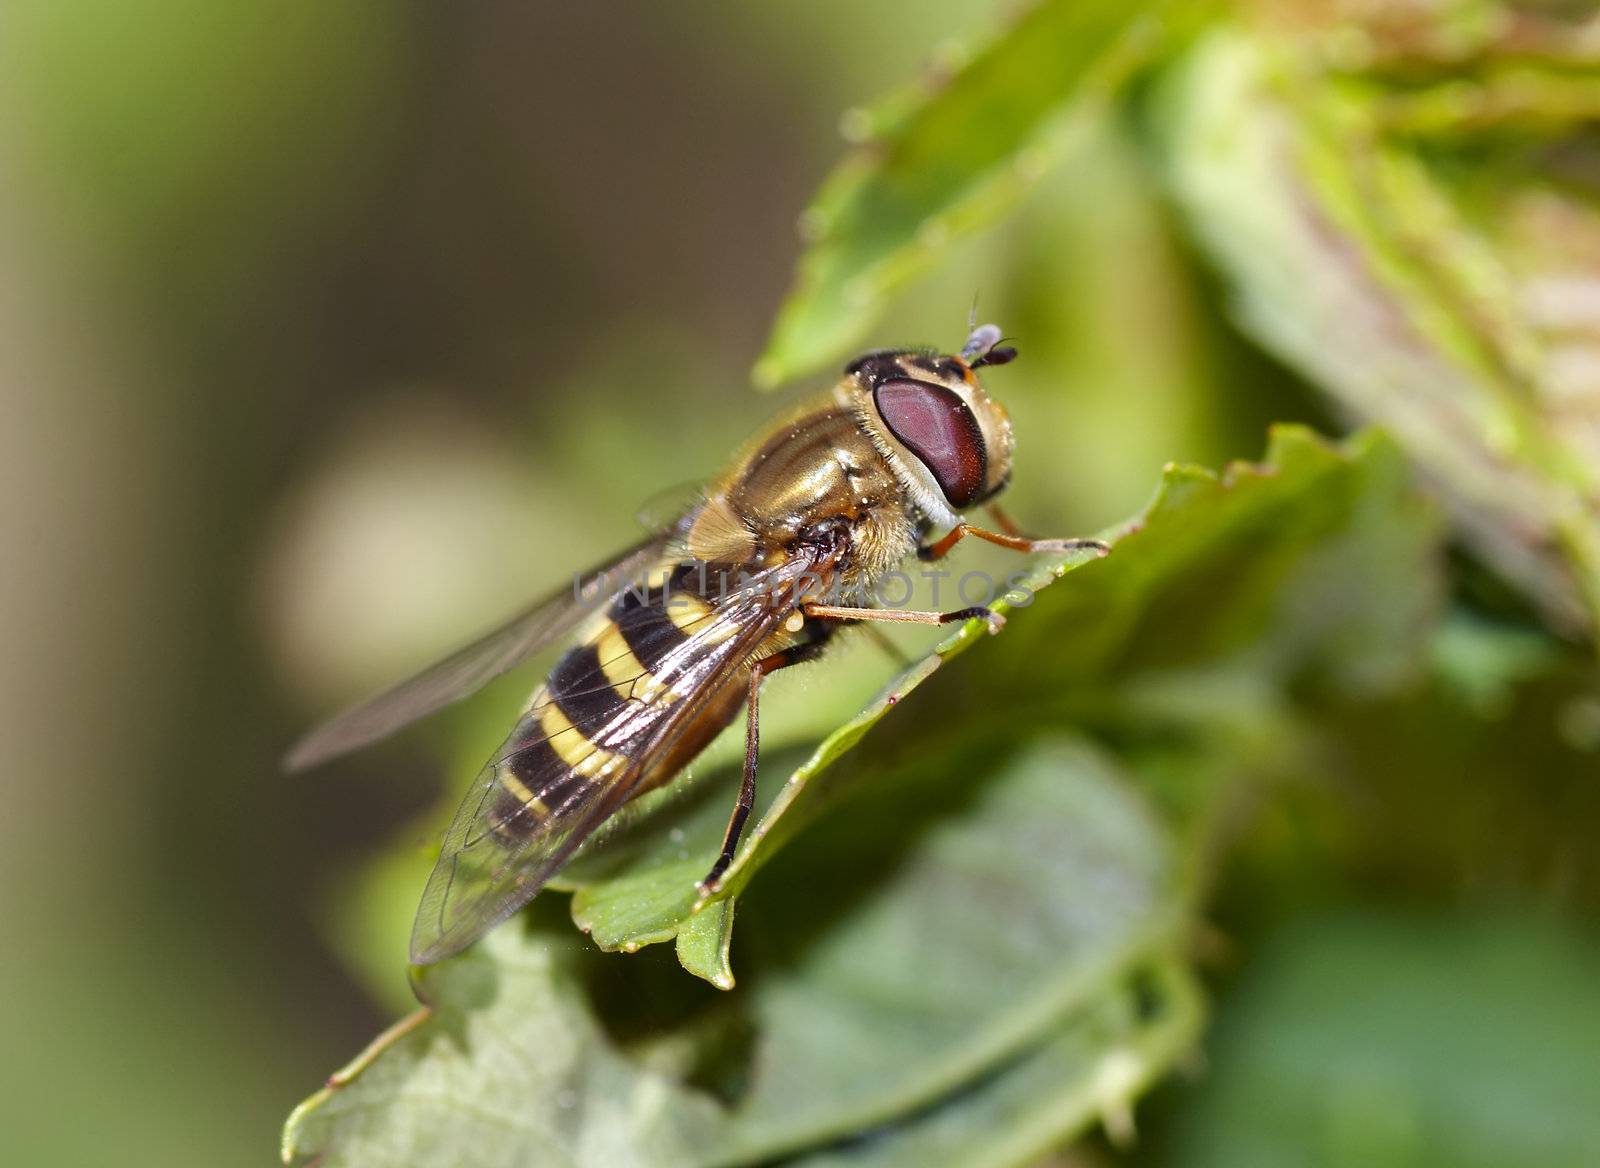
{"x": 939, "y": 163}
{"x": 651, "y": 896}
{"x": 1429, "y": 273}
{"x": 885, "y": 974}
{"x": 703, "y": 942}
{"x": 1090, "y": 1068}
{"x": 1330, "y": 561}
{"x": 1319, "y": 560}
{"x": 960, "y": 908}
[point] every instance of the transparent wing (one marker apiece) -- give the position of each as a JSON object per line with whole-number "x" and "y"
{"x": 470, "y": 669}
{"x": 552, "y": 784}
{"x": 667, "y": 505}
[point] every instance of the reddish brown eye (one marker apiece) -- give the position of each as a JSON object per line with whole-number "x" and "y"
{"x": 936, "y": 425}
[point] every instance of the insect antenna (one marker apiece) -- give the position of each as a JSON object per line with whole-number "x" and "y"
{"x": 983, "y": 346}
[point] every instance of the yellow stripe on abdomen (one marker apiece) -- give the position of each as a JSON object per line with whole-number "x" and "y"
{"x": 520, "y": 792}
{"x": 625, "y": 672}
{"x": 583, "y": 756}
{"x": 695, "y": 618}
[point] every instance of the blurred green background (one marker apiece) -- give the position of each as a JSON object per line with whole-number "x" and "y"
{"x": 331, "y": 332}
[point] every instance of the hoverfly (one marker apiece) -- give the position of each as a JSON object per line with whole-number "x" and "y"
{"x": 824, "y": 502}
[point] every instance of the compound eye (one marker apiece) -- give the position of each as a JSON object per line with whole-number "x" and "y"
{"x": 935, "y": 424}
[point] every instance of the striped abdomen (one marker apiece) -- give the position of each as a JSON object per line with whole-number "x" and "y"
{"x": 601, "y": 710}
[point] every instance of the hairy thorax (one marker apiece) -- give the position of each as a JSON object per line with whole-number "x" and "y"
{"x": 816, "y": 469}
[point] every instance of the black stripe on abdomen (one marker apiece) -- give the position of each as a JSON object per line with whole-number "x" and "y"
{"x": 533, "y": 782}
{"x": 580, "y": 689}
{"x": 584, "y": 724}
{"x": 541, "y": 770}
{"x": 653, "y": 637}
{"x": 646, "y": 624}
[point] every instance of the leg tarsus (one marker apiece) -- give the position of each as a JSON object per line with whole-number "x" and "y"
{"x": 906, "y": 616}
{"x": 982, "y": 612}
{"x": 1099, "y": 546}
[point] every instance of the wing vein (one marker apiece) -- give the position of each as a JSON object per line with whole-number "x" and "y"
{"x": 484, "y": 873}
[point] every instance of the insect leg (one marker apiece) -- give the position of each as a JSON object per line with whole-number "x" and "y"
{"x": 906, "y": 616}
{"x": 1009, "y": 537}
{"x": 1002, "y": 520}
{"x": 752, "y": 751}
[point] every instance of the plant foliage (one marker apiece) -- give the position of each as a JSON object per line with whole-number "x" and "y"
{"x": 964, "y": 927}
